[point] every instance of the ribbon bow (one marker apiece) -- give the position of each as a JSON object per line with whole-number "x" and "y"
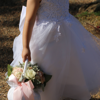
{"x": 23, "y": 90}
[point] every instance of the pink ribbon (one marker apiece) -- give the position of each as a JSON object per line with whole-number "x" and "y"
{"x": 23, "y": 90}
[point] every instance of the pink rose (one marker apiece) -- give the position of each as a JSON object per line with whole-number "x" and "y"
{"x": 17, "y": 72}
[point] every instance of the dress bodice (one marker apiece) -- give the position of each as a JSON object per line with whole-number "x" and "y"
{"x": 53, "y": 9}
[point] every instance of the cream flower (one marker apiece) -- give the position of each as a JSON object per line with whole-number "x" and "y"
{"x": 18, "y": 75}
{"x": 30, "y": 74}
{"x": 17, "y": 69}
{"x": 17, "y": 72}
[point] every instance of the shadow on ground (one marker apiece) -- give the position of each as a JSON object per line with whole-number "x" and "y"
{"x": 6, "y": 53}
{"x": 12, "y": 3}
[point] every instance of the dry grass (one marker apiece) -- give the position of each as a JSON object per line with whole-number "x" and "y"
{"x": 90, "y": 21}
{"x": 81, "y": 1}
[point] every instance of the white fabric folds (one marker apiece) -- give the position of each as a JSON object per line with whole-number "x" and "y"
{"x": 73, "y": 61}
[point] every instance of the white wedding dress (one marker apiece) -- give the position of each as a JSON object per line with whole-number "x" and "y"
{"x": 64, "y": 49}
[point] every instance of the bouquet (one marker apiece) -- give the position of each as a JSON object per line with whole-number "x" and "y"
{"x": 27, "y": 74}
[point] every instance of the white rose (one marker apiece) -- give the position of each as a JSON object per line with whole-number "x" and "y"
{"x": 30, "y": 73}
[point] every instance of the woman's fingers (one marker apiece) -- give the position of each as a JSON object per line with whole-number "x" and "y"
{"x": 23, "y": 59}
{"x": 29, "y": 58}
{"x": 26, "y": 57}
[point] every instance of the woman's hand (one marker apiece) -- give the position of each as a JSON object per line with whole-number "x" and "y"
{"x": 26, "y": 54}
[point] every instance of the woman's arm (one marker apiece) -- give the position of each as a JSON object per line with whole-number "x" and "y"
{"x": 31, "y": 10}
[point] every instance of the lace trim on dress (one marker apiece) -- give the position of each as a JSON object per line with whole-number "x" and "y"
{"x": 58, "y": 34}
{"x": 54, "y": 11}
{"x": 56, "y": 37}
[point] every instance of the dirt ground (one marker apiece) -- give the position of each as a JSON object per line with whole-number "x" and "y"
{"x": 9, "y": 21}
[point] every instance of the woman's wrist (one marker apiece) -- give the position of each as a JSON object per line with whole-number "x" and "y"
{"x": 25, "y": 43}
{"x": 25, "y": 47}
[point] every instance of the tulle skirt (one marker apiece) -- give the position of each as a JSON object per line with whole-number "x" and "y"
{"x": 68, "y": 52}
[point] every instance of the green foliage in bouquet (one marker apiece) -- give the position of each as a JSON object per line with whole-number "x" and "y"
{"x": 9, "y": 68}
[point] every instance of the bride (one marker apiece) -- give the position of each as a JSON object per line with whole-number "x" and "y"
{"x": 56, "y": 40}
